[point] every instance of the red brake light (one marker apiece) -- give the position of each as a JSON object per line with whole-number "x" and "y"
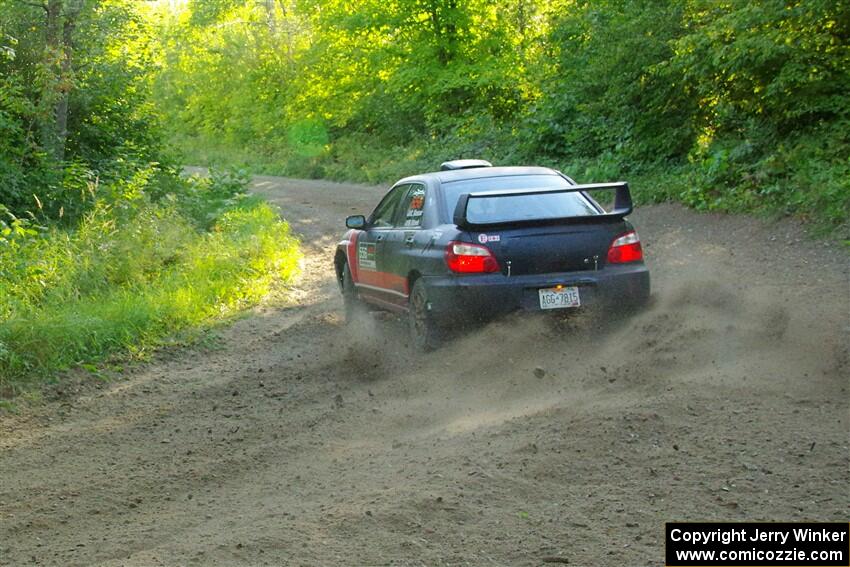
{"x": 625, "y": 248}
{"x": 465, "y": 258}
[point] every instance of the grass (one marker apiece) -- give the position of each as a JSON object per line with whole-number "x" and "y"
{"x": 123, "y": 282}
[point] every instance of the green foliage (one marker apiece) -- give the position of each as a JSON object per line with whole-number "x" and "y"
{"x": 769, "y": 65}
{"x": 745, "y": 101}
{"x": 104, "y": 247}
{"x": 609, "y": 90}
{"x": 773, "y": 111}
{"x": 126, "y": 278}
{"x": 75, "y": 106}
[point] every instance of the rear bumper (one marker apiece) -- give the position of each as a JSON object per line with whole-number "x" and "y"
{"x": 482, "y": 297}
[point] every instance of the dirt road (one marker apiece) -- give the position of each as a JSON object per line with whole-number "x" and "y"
{"x": 293, "y": 440}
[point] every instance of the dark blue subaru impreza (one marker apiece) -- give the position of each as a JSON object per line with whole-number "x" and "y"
{"x": 472, "y": 242}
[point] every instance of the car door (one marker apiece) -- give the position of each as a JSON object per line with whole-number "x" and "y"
{"x": 400, "y": 245}
{"x": 371, "y": 273}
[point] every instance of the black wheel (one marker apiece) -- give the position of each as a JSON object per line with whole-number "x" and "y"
{"x": 353, "y": 306}
{"x": 424, "y": 331}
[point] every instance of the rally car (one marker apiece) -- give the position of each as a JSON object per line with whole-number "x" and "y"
{"x": 472, "y": 242}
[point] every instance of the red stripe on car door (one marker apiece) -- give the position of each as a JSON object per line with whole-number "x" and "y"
{"x": 383, "y": 280}
{"x": 352, "y": 256}
{"x": 395, "y": 283}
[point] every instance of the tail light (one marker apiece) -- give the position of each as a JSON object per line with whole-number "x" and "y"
{"x": 465, "y": 258}
{"x": 625, "y": 248}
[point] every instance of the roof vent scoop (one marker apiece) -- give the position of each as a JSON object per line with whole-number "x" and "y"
{"x": 464, "y": 164}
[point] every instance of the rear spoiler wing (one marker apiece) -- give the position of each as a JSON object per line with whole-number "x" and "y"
{"x": 622, "y": 203}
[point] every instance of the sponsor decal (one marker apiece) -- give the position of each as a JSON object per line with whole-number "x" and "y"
{"x": 366, "y": 256}
{"x": 418, "y": 201}
{"x": 415, "y": 209}
{"x": 485, "y": 238}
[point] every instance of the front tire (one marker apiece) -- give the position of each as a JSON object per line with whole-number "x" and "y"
{"x": 424, "y": 331}
{"x": 354, "y": 308}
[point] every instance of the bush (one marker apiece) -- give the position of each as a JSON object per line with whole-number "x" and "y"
{"x": 126, "y": 277}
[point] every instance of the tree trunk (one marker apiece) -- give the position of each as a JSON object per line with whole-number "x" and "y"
{"x": 53, "y": 53}
{"x": 271, "y": 16}
{"x": 60, "y": 25}
{"x": 443, "y": 15}
{"x": 65, "y": 82}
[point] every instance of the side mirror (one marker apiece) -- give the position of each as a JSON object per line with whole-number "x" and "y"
{"x": 355, "y": 221}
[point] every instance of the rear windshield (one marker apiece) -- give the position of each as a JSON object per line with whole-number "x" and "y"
{"x": 517, "y": 207}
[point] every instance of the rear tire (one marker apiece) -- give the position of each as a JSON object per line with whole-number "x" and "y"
{"x": 354, "y": 308}
{"x": 424, "y": 332}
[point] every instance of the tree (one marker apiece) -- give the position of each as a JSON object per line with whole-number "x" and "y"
{"x": 73, "y": 98}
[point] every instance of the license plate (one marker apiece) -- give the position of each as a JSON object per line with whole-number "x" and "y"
{"x": 559, "y": 297}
